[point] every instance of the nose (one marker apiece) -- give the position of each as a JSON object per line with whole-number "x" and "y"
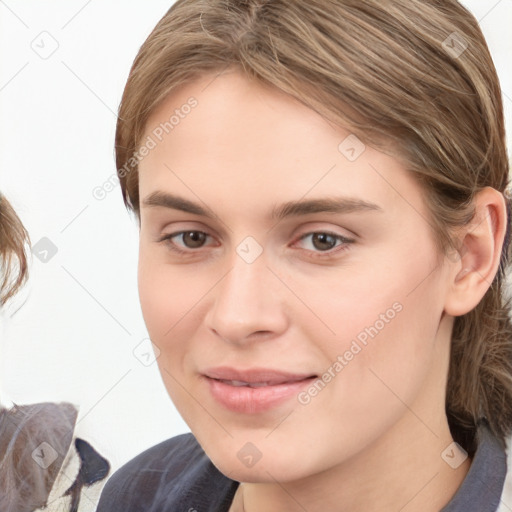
{"x": 248, "y": 303}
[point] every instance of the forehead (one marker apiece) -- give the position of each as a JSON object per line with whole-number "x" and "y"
{"x": 246, "y": 140}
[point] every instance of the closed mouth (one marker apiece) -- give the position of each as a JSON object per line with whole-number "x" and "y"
{"x": 241, "y": 383}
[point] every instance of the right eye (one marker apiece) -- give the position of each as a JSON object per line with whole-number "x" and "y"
{"x": 185, "y": 241}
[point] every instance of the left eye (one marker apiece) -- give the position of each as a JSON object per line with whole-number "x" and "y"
{"x": 323, "y": 242}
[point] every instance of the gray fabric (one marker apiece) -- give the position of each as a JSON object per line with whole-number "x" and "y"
{"x": 173, "y": 476}
{"x": 177, "y": 476}
{"x": 482, "y": 488}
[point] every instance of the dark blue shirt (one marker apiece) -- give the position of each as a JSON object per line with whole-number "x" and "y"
{"x": 177, "y": 476}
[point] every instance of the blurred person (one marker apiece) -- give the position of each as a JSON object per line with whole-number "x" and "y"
{"x": 43, "y": 465}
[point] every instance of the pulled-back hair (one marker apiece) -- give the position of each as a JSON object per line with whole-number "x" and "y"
{"x": 414, "y": 78}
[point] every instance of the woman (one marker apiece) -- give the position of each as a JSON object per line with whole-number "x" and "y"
{"x": 320, "y": 189}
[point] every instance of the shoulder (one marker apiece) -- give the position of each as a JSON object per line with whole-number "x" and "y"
{"x": 172, "y": 475}
{"x": 171, "y": 456}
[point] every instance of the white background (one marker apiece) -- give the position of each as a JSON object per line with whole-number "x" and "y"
{"x": 75, "y": 336}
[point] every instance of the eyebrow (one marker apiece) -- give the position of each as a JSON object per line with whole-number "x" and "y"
{"x": 288, "y": 209}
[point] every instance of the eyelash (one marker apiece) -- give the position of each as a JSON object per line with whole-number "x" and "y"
{"x": 342, "y": 246}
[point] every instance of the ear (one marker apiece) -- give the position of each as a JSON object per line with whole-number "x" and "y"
{"x": 481, "y": 242}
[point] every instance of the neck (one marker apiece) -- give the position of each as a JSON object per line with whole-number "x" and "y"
{"x": 402, "y": 471}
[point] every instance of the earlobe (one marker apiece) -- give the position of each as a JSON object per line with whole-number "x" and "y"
{"x": 481, "y": 244}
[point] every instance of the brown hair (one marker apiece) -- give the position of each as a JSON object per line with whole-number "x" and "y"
{"x": 414, "y": 78}
{"x": 13, "y": 255}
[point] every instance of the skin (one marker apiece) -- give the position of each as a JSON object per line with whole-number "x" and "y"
{"x": 372, "y": 438}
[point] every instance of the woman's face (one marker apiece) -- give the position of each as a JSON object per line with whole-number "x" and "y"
{"x": 289, "y": 278}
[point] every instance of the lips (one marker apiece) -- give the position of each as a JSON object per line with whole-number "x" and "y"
{"x": 253, "y": 390}
{"x": 254, "y": 376}
{"x": 239, "y": 383}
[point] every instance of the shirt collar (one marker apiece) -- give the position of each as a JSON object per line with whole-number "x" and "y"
{"x": 482, "y": 488}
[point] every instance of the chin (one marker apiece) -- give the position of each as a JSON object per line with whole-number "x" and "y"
{"x": 260, "y": 460}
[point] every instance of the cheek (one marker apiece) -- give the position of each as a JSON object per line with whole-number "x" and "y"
{"x": 156, "y": 298}
{"x": 166, "y": 294}
{"x": 167, "y": 298}
{"x": 174, "y": 301}
{"x": 383, "y": 322}
{"x": 393, "y": 289}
